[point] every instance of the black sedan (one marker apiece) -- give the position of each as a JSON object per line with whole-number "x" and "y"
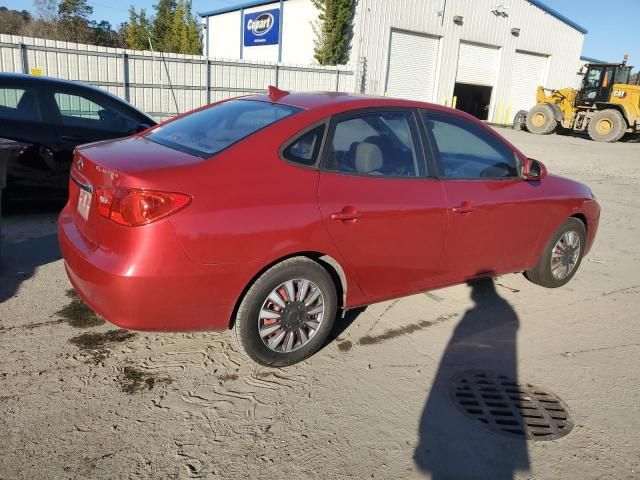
{"x": 43, "y": 119}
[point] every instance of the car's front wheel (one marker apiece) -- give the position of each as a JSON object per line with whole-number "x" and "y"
{"x": 287, "y": 313}
{"x": 561, "y": 257}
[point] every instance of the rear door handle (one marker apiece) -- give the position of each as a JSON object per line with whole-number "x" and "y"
{"x": 465, "y": 207}
{"x": 348, "y": 214}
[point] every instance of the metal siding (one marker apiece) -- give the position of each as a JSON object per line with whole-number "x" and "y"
{"x": 477, "y": 64}
{"x": 412, "y": 66}
{"x": 539, "y": 32}
{"x": 148, "y": 82}
{"x": 529, "y": 71}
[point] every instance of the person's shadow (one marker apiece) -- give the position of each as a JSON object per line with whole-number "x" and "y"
{"x": 453, "y": 445}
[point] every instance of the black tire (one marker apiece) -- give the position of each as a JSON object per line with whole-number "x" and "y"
{"x": 607, "y": 126}
{"x": 520, "y": 120}
{"x": 542, "y": 274}
{"x": 246, "y": 322}
{"x": 541, "y": 120}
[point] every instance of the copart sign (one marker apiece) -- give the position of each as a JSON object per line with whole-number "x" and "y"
{"x": 261, "y": 28}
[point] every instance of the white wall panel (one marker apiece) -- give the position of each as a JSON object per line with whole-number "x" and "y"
{"x": 477, "y": 64}
{"x": 413, "y": 60}
{"x": 529, "y": 71}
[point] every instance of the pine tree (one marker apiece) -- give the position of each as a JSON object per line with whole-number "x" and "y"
{"x": 74, "y": 20}
{"x": 193, "y": 40}
{"x": 161, "y": 32}
{"x": 333, "y": 34}
{"x": 138, "y": 30}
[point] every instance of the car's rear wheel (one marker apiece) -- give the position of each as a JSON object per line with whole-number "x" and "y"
{"x": 287, "y": 313}
{"x": 561, "y": 257}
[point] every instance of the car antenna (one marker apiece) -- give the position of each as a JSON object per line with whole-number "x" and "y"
{"x": 276, "y": 94}
{"x": 164, "y": 62}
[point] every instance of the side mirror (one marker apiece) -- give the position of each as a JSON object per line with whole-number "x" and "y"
{"x": 141, "y": 127}
{"x": 533, "y": 170}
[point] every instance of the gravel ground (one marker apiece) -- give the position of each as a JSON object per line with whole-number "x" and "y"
{"x": 80, "y": 398}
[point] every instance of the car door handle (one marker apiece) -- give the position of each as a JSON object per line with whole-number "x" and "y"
{"x": 348, "y": 214}
{"x": 465, "y": 207}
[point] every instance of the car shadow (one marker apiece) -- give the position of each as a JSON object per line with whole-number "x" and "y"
{"x": 341, "y": 324}
{"x": 20, "y": 259}
{"x": 452, "y": 445}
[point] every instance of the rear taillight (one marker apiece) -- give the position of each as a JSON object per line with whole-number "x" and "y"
{"x": 133, "y": 207}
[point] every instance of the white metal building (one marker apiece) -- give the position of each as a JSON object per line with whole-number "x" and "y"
{"x": 486, "y": 57}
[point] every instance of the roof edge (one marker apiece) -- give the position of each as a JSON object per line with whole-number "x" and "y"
{"x": 558, "y": 15}
{"x": 233, "y": 8}
{"x": 258, "y": 3}
{"x": 591, "y": 59}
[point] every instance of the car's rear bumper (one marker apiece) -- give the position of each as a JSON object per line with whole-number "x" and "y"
{"x": 164, "y": 291}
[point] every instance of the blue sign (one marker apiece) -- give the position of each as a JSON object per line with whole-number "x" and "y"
{"x": 261, "y": 28}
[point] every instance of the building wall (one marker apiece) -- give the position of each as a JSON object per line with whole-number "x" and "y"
{"x": 225, "y": 34}
{"x": 540, "y": 33}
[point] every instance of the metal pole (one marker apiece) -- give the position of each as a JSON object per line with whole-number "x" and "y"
{"x": 277, "y": 71}
{"x": 206, "y": 37}
{"x": 280, "y": 31}
{"x": 337, "y": 80}
{"x": 24, "y": 59}
{"x": 241, "y": 32}
{"x": 125, "y": 76}
{"x": 208, "y": 81}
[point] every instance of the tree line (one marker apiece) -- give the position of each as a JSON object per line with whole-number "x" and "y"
{"x": 172, "y": 27}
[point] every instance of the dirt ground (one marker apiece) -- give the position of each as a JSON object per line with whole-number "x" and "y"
{"x": 80, "y": 398}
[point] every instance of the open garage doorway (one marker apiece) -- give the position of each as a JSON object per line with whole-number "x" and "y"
{"x": 473, "y": 99}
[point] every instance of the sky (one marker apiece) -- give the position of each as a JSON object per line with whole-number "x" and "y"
{"x": 613, "y": 27}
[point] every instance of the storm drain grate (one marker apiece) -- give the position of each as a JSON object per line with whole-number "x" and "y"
{"x": 510, "y": 408}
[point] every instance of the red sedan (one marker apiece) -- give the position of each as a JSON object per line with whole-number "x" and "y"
{"x": 269, "y": 214}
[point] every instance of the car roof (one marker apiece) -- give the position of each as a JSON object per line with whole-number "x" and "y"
{"x": 37, "y": 80}
{"x": 340, "y": 101}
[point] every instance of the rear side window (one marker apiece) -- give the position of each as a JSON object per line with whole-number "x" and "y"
{"x": 209, "y": 131}
{"x": 466, "y": 151}
{"x": 19, "y": 104}
{"x": 80, "y": 111}
{"x": 306, "y": 148}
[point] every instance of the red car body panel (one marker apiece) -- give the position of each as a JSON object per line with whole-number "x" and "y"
{"x": 250, "y": 209}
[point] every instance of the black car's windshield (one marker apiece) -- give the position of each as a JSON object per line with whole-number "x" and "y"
{"x": 209, "y": 131}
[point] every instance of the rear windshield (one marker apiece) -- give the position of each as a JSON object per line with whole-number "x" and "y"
{"x": 209, "y": 131}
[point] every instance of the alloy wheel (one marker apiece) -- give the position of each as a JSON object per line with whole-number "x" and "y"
{"x": 565, "y": 255}
{"x": 291, "y": 315}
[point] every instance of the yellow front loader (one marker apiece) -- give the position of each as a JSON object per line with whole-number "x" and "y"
{"x": 606, "y": 106}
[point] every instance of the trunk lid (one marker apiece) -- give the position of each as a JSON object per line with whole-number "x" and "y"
{"x": 134, "y": 162}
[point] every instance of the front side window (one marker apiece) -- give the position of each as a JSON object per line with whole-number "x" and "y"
{"x": 18, "y": 104}
{"x": 376, "y": 144}
{"x": 83, "y": 112}
{"x": 207, "y": 132}
{"x": 467, "y": 152}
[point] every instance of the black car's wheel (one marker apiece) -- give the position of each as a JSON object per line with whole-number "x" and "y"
{"x": 561, "y": 257}
{"x": 541, "y": 120}
{"x": 287, "y": 313}
{"x": 607, "y": 126}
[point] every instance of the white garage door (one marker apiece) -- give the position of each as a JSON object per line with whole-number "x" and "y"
{"x": 412, "y": 66}
{"x": 477, "y": 64}
{"x": 529, "y": 71}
